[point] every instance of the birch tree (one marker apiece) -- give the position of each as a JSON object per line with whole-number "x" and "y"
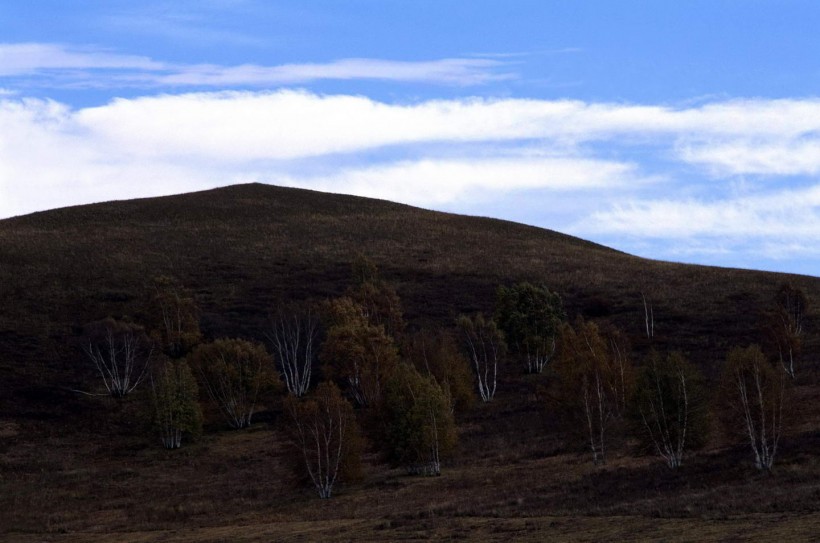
{"x": 669, "y": 407}
{"x": 786, "y": 328}
{"x": 173, "y": 316}
{"x": 649, "y": 317}
{"x": 589, "y": 383}
{"x": 437, "y": 354}
{"x": 420, "y": 429}
{"x": 378, "y": 299}
{"x": 357, "y": 353}
{"x": 530, "y": 318}
{"x": 120, "y": 352}
{"x": 485, "y": 347}
{"x": 755, "y": 392}
{"x": 175, "y": 395}
{"x": 234, "y": 373}
{"x": 324, "y": 432}
{"x": 294, "y": 336}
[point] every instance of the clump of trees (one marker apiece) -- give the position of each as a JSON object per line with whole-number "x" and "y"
{"x": 755, "y": 395}
{"x": 410, "y": 384}
{"x": 323, "y": 429}
{"x": 234, "y": 373}
{"x": 175, "y": 398}
{"x": 121, "y": 353}
{"x": 669, "y": 407}
{"x": 530, "y": 317}
{"x": 420, "y": 429}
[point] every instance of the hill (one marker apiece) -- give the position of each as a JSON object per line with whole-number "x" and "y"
{"x": 244, "y": 249}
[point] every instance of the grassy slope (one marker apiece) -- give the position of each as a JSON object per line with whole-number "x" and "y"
{"x": 243, "y": 248}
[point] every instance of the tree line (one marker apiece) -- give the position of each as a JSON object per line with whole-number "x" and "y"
{"x": 349, "y": 370}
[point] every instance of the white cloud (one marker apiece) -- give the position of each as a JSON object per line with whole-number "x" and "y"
{"x": 785, "y": 216}
{"x": 31, "y": 58}
{"x": 753, "y": 137}
{"x": 792, "y": 156}
{"x": 454, "y": 71}
{"x": 439, "y": 182}
{"x": 56, "y": 64}
{"x": 51, "y": 155}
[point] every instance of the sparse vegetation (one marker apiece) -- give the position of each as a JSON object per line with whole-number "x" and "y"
{"x": 72, "y": 467}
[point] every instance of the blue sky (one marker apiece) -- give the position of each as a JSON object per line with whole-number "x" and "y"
{"x": 686, "y": 131}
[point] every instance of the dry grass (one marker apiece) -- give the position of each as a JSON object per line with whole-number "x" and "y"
{"x": 230, "y": 486}
{"x": 74, "y": 468}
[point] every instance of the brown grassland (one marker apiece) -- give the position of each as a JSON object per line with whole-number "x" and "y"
{"x": 80, "y": 468}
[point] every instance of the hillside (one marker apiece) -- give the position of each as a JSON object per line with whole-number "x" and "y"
{"x": 244, "y": 249}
